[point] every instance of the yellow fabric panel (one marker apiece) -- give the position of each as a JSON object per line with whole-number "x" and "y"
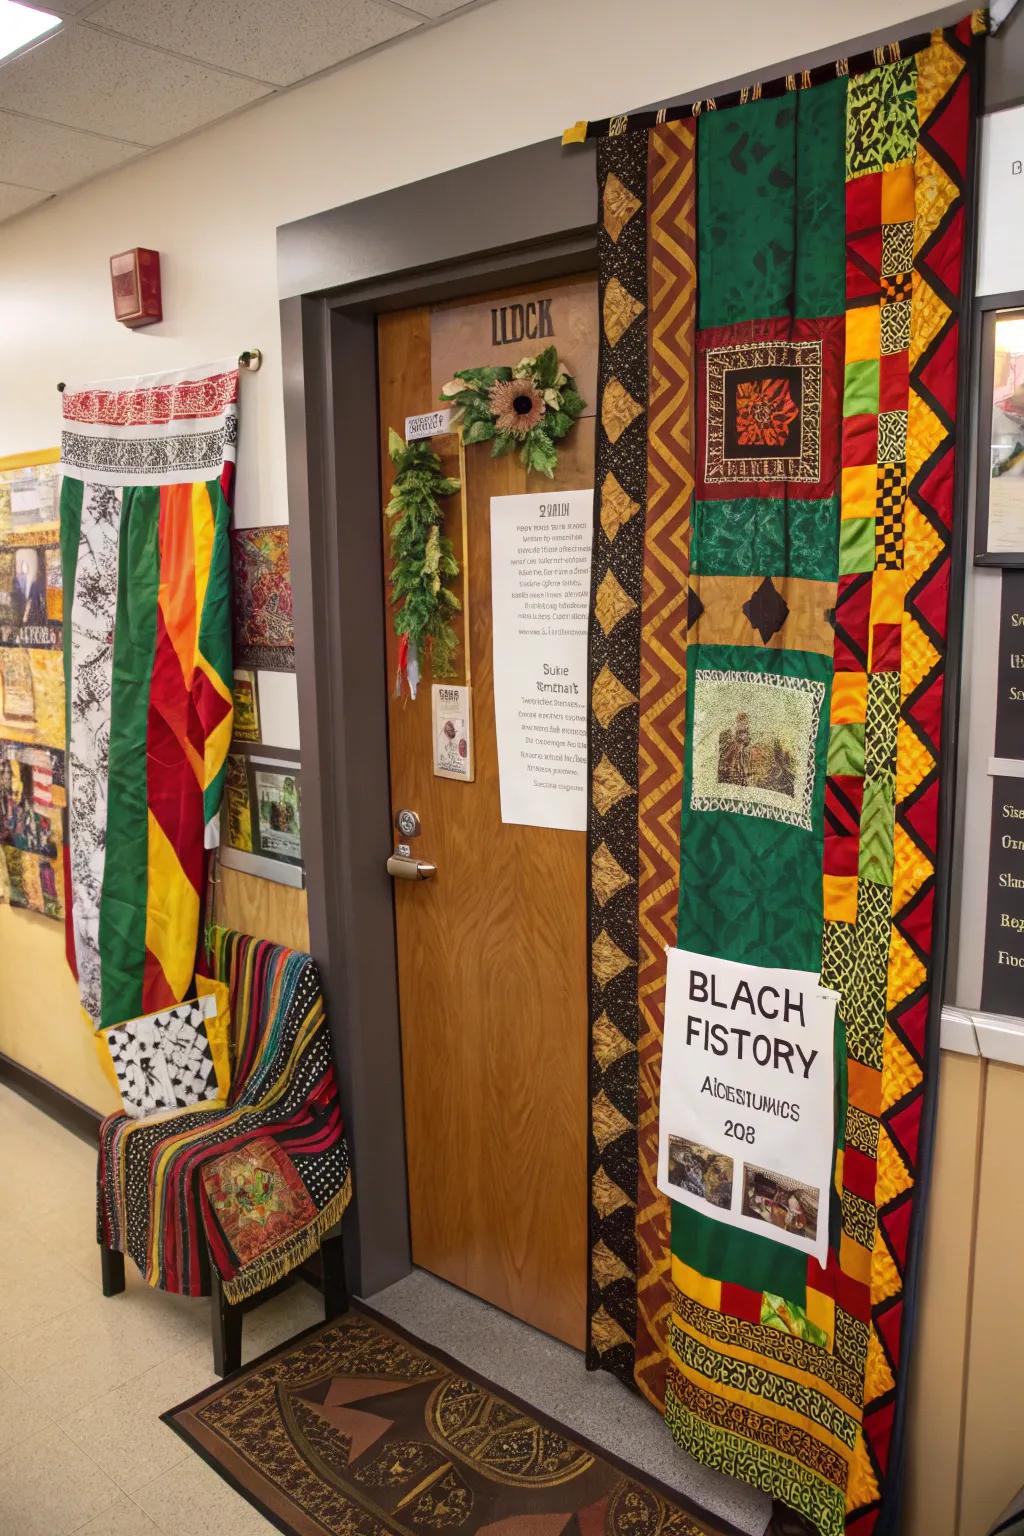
{"x": 855, "y": 1259}
{"x": 30, "y": 459}
{"x": 821, "y": 1311}
{"x": 576, "y": 134}
{"x": 849, "y": 698}
{"x": 898, "y": 193}
{"x": 863, "y": 334}
{"x": 840, "y": 898}
{"x": 172, "y": 912}
{"x": 887, "y": 592}
{"x": 699, "y": 1287}
{"x": 858, "y": 490}
{"x": 862, "y": 1487}
{"x": 218, "y": 1030}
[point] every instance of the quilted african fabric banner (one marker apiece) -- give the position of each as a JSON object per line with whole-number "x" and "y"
{"x": 780, "y": 362}
{"x": 145, "y": 513}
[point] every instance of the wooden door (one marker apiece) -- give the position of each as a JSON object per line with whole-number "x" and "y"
{"x": 491, "y": 952}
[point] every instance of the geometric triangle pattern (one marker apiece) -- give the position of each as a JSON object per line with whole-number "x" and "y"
{"x": 612, "y": 837}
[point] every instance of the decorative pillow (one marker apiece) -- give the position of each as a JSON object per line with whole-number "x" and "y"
{"x": 165, "y": 1060}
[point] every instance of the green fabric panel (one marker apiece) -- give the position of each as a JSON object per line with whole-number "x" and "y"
{"x": 125, "y": 879}
{"x": 877, "y": 824}
{"x": 765, "y": 171}
{"x": 821, "y": 200}
{"x": 882, "y": 126}
{"x": 750, "y": 888}
{"x": 761, "y": 537}
{"x": 215, "y": 623}
{"x": 846, "y": 750}
{"x": 740, "y": 1258}
{"x": 856, "y": 545}
{"x": 71, "y": 492}
{"x": 860, "y": 388}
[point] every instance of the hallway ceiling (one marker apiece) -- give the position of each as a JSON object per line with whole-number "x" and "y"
{"x": 122, "y": 77}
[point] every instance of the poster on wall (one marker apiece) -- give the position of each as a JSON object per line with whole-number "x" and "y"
{"x": 540, "y": 598}
{"x": 262, "y": 590}
{"x": 262, "y": 824}
{"x": 31, "y": 599}
{"x": 29, "y": 500}
{"x": 246, "y": 699}
{"x": 32, "y": 801}
{"x": 452, "y": 720}
{"x": 746, "y": 1123}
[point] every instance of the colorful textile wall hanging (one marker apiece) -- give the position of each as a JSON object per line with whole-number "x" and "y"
{"x": 145, "y": 512}
{"x": 780, "y": 297}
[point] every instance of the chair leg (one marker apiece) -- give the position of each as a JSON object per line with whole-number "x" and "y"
{"x": 112, "y": 1270}
{"x": 227, "y": 1328}
{"x": 332, "y": 1264}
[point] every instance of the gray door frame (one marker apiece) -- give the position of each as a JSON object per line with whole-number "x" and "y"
{"x": 515, "y": 220}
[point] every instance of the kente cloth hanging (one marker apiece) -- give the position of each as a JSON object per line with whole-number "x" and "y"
{"x": 145, "y": 513}
{"x": 780, "y": 292}
{"x": 252, "y": 1187}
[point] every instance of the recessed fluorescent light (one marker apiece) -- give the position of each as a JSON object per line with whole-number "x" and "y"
{"x": 20, "y": 25}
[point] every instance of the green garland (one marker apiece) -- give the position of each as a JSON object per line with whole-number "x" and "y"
{"x": 422, "y": 559}
{"x": 530, "y": 407}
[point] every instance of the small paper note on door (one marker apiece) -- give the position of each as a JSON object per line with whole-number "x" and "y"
{"x": 453, "y": 731}
{"x": 540, "y": 599}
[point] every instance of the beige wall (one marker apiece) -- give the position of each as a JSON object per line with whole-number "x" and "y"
{"x": 965, "y": 1446}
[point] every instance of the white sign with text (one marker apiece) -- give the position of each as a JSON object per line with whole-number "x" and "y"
{"x": 540, "y": 600}
{"x": 747, "y": 1115}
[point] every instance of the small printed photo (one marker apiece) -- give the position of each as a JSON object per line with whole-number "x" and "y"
{"x": 700, "y": 1171}
{"x": 781, "y": 1201}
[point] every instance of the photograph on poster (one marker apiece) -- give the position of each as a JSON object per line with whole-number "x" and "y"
{"x": 277, "y": 806}
{"x": 701, "y": 1172}
{"x": 31, "y": 606}
{"x": 786, "y": 1203}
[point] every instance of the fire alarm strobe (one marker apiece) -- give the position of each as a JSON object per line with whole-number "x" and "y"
{"x": 135, "y": 280}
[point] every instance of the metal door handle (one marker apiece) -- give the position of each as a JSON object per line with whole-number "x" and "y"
{"x": 401, "y": 868}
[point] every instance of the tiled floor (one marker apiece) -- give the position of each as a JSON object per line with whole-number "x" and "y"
{"x": 84, "y": 1379}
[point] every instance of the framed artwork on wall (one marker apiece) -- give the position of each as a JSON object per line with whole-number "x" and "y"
{"x": 999, "y": 520}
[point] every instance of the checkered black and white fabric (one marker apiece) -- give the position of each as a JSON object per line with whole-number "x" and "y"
{"x": 163, "y": 1060}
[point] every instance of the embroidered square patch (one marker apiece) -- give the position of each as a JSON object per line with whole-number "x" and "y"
{"x": 258, "y": 1196}
{"x": 754, "y": 735}
{"x": 764, "y": 411}
{"x": 164, "y": 1060}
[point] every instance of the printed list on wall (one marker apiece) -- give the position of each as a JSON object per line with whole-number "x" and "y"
{"x": 540, "y": 597}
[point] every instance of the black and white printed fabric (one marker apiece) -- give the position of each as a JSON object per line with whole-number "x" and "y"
{"x": 164, "y": 1060}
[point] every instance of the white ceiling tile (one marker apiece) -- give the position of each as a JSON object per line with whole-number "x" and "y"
{"x": 17, "y": 199}
{"x": 263, "y": 38}
{"x": 106, "y": 84}
{"x": 48, "y": 155}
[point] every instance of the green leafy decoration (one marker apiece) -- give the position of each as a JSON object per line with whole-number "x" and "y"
{"x": 468, "y": 393}
{"x": 422, "y": 556}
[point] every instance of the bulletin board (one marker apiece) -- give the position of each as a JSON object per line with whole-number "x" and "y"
{"x": 33, "y": 795}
